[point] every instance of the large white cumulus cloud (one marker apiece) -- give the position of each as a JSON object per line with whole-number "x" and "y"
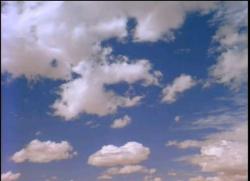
{"x": 88, "y": 94}
{"x": 44, "y": 151}
{"x": 53, "y": 39}
{"x": 128, "y": 154}
{"x": 35, "y": 33}
{"x": 223, "y": 153}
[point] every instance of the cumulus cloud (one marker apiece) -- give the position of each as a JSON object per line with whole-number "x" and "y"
{"x": 223, "y": 153}
{"x": 125, "y": 170}
{"x": 43, "y": 152}
{"x": 232, "y": 37}
{"x": 179, "y": 85}
{"x": 129, "y": 154}
{"x": 88, "y": 94}
{"x": 121, "y": 122}
{"x": 36, "y": 33}
{"x": 9, "y": 176}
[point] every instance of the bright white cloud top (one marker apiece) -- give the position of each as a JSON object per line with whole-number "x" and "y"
{"x": 110, "y": 155}
{"x": 10, "y": 176}
{"x": 121, "y": 122}
{"x": 179, "y": 85}
{"x": 43, "y": 152}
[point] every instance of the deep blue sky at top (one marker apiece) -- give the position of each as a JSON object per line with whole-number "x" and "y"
{"x": 26, "y": 109}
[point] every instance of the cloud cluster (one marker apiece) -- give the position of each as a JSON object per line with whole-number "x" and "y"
{"x": 9, "y": 176}
{"x": 37, "y": 35}
{"x": 223, "y": 153}
{"x": 179, "y": 85}
{"x": 110, "y": 155}
{"x": 58, "y": 39}
{"x": 232, "y": 37}
{"x": 121, "y": 122}
{"x": 43, "y": 152}
{"x": 122, "y": 160}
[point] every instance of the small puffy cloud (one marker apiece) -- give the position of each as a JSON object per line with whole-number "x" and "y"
{"x": 125, "y": 170}
{"x": 128, "y": 154}
{"x": 121, "y": 122}
{"x": 43, "y": 152}
{"x": 9, "y": 176}
{"x": 180, "y": 84}
{"x": 223, "y": 153}
{"x": 177, "y": 118}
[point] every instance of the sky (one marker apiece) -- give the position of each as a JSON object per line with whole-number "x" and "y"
{"x": 124, "y": 91}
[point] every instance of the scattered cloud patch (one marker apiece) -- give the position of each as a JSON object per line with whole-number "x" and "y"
{"x": 232, "y": 63}
{"x": 10, "y": 176}
{"x": 43, "y": 152}
{"x": 125, "y": 170}
{"x": 121, "y": 122}
{"x": 179, "y": 85}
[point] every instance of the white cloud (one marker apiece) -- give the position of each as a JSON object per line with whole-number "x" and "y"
{"x": 43, "y": 152}
{"x": 121, "y": 122}
{"x": 110, "y": 155}
{"x": 223, "y": 153}
{"x": 221, "y": 178}
{"x": 88, "y": 94}
{"x": 9, "y": 176}
{"x": 180, "y": 84}
{"x": 125, "y": 170}
{"x": 232, "y": 63}
{"x": 231, "y": 68}
{"x": 177, "y": 118}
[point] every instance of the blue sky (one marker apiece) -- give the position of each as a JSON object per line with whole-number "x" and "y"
{"x": 210, "y": 103}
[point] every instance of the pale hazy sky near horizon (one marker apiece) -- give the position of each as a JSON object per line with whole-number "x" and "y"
{"x": 124, "y": 91}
